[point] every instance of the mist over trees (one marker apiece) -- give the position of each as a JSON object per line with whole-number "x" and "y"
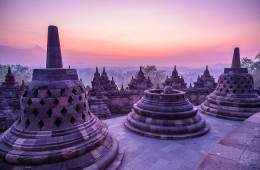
{"x": 20, "y": 72}
{"x": 123, "y": 75}
{"x": 253, "y": 66}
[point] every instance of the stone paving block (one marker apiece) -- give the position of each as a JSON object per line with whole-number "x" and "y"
{"x": 226, "y": 152}
{"x": 251, "y": 159}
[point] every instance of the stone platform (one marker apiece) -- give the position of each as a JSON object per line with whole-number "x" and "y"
{"x": 143, "y": 153}
{"x": 240, "y": 149}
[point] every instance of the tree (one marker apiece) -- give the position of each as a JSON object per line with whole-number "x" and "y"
{"x": 246, "y": 63}
{"x": 257, "y": 57}
{"x": 156, "y": 76}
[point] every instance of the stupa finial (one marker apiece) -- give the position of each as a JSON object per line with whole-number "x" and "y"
{"x": 236, "y": 59}
{"x": 54, "y": 58}
{"x": 9, "y": 70}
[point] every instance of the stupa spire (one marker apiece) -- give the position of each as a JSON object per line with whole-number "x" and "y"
{"x": 236, "y": 59}
{"x": 54, "y": 58}
{"x": 9, "y": 71}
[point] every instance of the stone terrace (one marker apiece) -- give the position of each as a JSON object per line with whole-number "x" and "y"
{"x": 143, "y": 153}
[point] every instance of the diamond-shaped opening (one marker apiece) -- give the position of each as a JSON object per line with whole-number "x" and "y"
{"x": 227, "y": 91}
{"x": 220, "y": 90}
{"x": 231, "y": 87}
{"x": 74, "y": 91}
{"x": 49, "y": 93}
{"x": 235, "y": 82}
{"x": 70, "y": 100}
{"x": 77, "y": 108}
{"x": 29, "y": 102}
{"x": 27, "y": 123}
{"x": 82, "y": 90}
{"x": 242, "y": 91}
{"x": 80, "y": 97}
{"x": 62, "y": 92}
{"x": 63, "y": 111}
{"x": 56, "y": 102}
{"x": 25, "y": 93}
{"x": 234, "y": 91}
{"x": 42, "y": 102}
{"x": 238, "y": 86}
{"x": 72, "y": 120}
{"x": 57, "y": 122}
{"x": 228, "y": 82}
{"x": 35, "y": 93}
{"x": 83, "y": 116}
{"x": 41, "y": 124}
{"x": 245, "y": 86}
{"x": 35, "y": 112}
{"x": 24, "y": 111}
{"x": 85, "y": 105}
{"x": 49, "y": 112}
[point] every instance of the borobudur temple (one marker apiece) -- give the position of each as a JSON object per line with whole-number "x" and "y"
{"x": 56, "y": 130}
{"x": 166, "y": 114}
{"x": 234, "y": 97}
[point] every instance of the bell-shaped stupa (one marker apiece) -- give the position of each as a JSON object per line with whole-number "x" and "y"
{"x": 166, "y": 114}
{"x": 234, "y": 97}
{"x": 56, "y": 130}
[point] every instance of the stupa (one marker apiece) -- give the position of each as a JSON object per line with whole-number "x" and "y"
{"x": 234, "y": 97}
{"x": 140, "y": 82}
{"x": 56, "y": 130}
{"x": 98, "y": 103}
{"x": 166, "y": 114}
{"x": 175, "y": 81}
{"x": 10, "y": 92}
{"x": 206, "y": 81}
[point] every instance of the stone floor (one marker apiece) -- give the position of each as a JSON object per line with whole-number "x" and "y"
{"x": 143, "y": 153}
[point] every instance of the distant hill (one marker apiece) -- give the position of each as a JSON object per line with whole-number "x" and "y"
{"x": 22, "y": 56}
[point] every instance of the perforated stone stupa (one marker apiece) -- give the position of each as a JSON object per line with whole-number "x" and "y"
{"x": 56, "y": 130}
{"x": 166, "y": 114}
{"x": 234, "y": 97}
{"x": 98, "y": 103}
{"x": 175, "y": 81}
{"x": 10, "y": 92}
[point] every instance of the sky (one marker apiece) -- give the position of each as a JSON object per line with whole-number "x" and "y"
{"x": 134, "y": 32}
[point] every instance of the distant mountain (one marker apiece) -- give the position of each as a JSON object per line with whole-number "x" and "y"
{"x": 14, "y": 55}
{"x": 220, "y": 66}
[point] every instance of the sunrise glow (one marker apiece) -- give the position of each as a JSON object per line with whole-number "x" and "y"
{"x": 117, "y": 32}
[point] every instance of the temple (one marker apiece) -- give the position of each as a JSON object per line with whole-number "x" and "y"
{"x": 10, "y": 92}
{"x": 234, "y": 97}
{"x": 166, "y": 114}
{"x": 175, "y": 81}
{"x": 56, "y": 130}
